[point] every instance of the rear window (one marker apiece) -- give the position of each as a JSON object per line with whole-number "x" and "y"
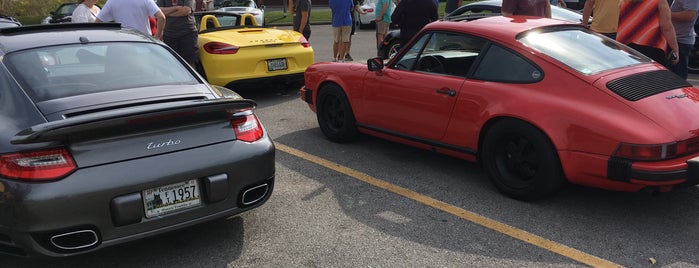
{"x": 64, "y": 71}
{"x": 582, "y": 50}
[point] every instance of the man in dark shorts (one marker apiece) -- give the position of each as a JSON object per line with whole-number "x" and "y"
{"x": 180, "y": 32}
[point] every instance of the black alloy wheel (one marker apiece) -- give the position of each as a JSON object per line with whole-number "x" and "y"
{"x": 334, "y": 114}
{"x": 521, "y": 161}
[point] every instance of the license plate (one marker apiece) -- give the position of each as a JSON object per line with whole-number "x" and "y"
{"x": 165, "y": 199}
{"x": 276, "y": 64}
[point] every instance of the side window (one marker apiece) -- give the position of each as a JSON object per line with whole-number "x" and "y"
{"x": 442, "y": 53}
{"x": 502, "y": 65}
{"x": 408, "y": 60}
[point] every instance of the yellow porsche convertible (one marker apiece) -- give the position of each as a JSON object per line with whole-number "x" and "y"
{"x": 236, "y": 52}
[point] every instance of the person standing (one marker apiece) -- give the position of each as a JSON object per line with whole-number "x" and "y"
{"x": 606, "y": 16}
{"x": 537, "y": 8}
{"x": 86, "y": 11}
{"x": 180, "y": 28}
{"x": 684, "y": 15}
{"x": 356, "y": 11}
{"x": 383, "y": 19}
{"x": 133, "y": 14}
{"x": 452, "y": 5}
{"x": 646, "y": 26}
{"x": 411, "y": 16}
{"x": 342, "y": 26}
{"x": 301, "y": 12}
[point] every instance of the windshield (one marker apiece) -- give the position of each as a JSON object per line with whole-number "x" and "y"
{"x": 582, "y": 50}
{"x": 66, "y": 9}
{"x": 7, "y": 24}
{"x": 63, "y": 71}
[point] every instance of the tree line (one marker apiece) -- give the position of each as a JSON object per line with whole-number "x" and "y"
{"x": 22, "y": 8}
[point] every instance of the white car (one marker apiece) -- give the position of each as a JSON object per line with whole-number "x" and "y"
{"x": 367, "y": 20}
{"x": 244, "y": 7}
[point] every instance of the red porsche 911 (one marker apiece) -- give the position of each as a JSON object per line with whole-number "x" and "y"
{"x": 538, "y": 102}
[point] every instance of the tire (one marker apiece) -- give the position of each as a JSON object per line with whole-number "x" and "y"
{"x": 693, "y": 63}
{"x": 392, "y": 49}
{"x": 521, "y": 161}
{"x": 335, "y": 116}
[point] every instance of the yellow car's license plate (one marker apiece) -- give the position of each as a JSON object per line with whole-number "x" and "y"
{"x": 276, "y": 64}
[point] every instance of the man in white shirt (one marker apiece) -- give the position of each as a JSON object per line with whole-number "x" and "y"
{"x": 133, "y": 14}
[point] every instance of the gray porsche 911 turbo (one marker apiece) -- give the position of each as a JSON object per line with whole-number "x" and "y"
{"x": 108, "y": 136}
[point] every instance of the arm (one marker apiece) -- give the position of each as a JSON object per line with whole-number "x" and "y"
{"x": 685, "y": 15}
{"x": 562, "y": 3}
{"x": 667, "y": 29}
{"x": 548, "y": 9}
{"x": 384, "y": 7}
{"x": 304, "y": 20}
{"x": 359, "y": 10}
{"x": 160, "y": 21}
{"x": 291, "y": 8}
{"x": 587, "y": 11}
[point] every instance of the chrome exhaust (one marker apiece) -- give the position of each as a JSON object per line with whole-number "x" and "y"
{"x": 75, "y": 240}
{"x": 254, "y": 194}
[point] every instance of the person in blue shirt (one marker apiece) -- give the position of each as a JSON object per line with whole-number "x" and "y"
{"x": 342, "y": 26}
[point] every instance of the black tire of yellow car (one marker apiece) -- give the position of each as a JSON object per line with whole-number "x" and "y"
{"x": 521, "y": 161}
{"x": 334, "y": 114}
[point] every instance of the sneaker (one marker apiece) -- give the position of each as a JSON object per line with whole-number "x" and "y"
{"x": 348, "y": 57}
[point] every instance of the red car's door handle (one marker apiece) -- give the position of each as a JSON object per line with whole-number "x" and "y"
{"x": 447, "y": 91}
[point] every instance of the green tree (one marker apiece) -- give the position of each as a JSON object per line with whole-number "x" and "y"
{"x": 25, "y": 8}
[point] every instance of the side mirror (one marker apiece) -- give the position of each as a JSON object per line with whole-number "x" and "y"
{"x": 375, "y": 64}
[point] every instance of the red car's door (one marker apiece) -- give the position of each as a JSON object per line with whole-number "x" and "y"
{"x": 413, "y": 103}
{"x": 416, "y": 93}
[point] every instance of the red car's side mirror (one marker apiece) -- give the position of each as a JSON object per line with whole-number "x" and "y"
{"x": 375, "y": 64}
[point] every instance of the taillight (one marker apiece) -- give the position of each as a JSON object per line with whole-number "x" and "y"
{"x": 369, "y": 10}
{"x": 247, "y": 128}
{"x": 37, "y": 165}
{"x": 304, "y": 42}
{"x": 220, "y": 48}
{"x": 656, "y": 152}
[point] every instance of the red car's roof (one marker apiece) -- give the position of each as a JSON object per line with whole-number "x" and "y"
{"x": 496, "y": 27}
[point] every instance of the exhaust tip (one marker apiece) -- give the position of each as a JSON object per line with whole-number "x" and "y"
{"x": 254, "y": 194}
{"x": 75, "y": 240}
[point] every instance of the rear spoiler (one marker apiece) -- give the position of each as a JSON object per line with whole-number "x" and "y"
{"x": 147, "y": 117}
{"x": 470, "y": 16}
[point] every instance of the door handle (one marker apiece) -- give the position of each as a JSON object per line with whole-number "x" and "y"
{"x": 447, "y": 91}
